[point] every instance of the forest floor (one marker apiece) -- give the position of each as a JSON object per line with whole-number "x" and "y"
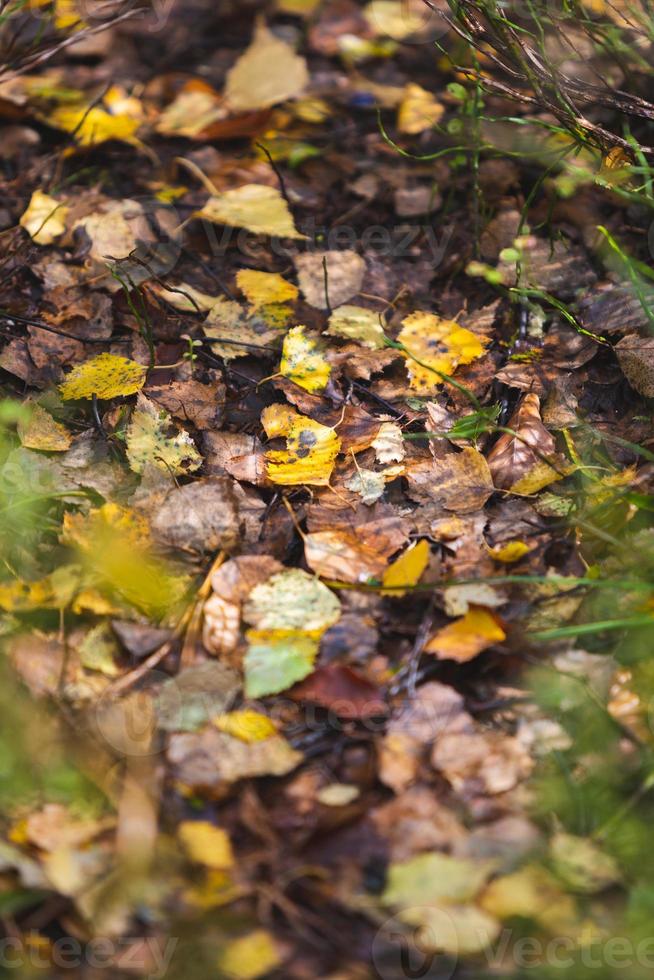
{"x": 326, "y": 474}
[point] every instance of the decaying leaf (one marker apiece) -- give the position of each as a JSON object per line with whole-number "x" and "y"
{"x": 311, "y": 450}
{"x": 105, "y": 376}
{"x": 44, "y": 219}
{"x": 525, "y": 460}
{"x": 340, "y": 555}
{"x": 253, "y": 83}
{"x": 389, "y": 443}
{"x": 41, "y": 431}
{"x": 457, "y": 481}
{"x": 257, "y": 207}
{"x": 292, "y": 600}
{"x": 208, "y": 760}
{"x": 152, "y": 439}
{"x": 329, "y": 279}
{"x": 439, "y": 345}
{"x": 343, "y": 691}
{"x": 357, "y": 323}
{"x": 303, "y": 362}
{"x": 467, "y": 637}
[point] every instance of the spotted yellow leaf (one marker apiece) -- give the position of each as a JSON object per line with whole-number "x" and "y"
{"x": 153, "y": 439}
{"x": 407, "y": 569}
{"x": 509, "y": 552}
{"x": 249, "y": 957}
{"x": 44, "y": 219}
{"x": 247, "y": 725}
{"x": 303, "y": 362}
{"x": 106, "y": 376}
{"x": 466, "y": 637}
{"x": 419, "y": 110}
{"x": 311, "y": 450}
{"x": 434, "y": 345}
{"x": 42, "y": 432}
{"x": 256, "y": 207}
{"x": 264, "y": 288}
{"x": 206, "y": 844}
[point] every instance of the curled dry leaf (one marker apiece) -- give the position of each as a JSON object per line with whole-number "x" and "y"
{"x": 522, "y": 458}
{"x": 389, "y": 444}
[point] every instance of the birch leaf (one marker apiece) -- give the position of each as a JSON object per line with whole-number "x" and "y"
{"x": 311, "y": 450}
{"x": 303, "y": 362}
{"x": 439, "y": 345}
{"x": 407, "y": 569}
{"x": 256, "y": 207}
{"x": 106, "y": 376}
{"x": 264, "y": 288}
{"x": 42, "y": 432}
{"x": 419, "y": 110}
{"x": 357, "y": 323}
{"x": 267, "y": 73}
{"x": 44, "y": 219}
{"x": 152, "y": 438}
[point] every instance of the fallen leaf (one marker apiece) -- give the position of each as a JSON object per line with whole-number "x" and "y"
{"x": 153, "y": 440}
{"x": 341, "y": 556}
{"x": 105, "y": 376}
{"x": 419, "y": 110}
{"x": 338, "y": 794}
{"x": 532, "y": 893}
{"x": 395, "y": 19}
{"x": 582, "y": 864}
{"x": 195, "y": 109}
{"x": 250, "y": 957}
{"x": 342, "y": 691}
{"x": 516, "y": 461}
{"x": 235, "y": 333}
{"x": 264, "y": 288}
{"x": 277, "y": 658}
{"x": 345, "y": 271}
{"x": 292, "y": 600}
{"x": 192, "y": 401}
{"x": 196, "y": 694}
{"x": 41, "y": 431}
{"x": 208, "y": 760}
{"x": 357, "y": 323}
{"x": 303, "y": 361}
{"x": 439, "y": 345}
{"x": 206, "y": 844}
{"x": 256, "y": 207}
{"x": 389, "y": 444}
{"x": 199, "y": 517}
{"x": 92, "y": 125}
{"x": 250, "y": 726}
{"x": 407, "y": 569}
{"x": 231, "y": 585}
{"x": 311, "y": 450}
{"x": 457, "y": 930}
{"x": 251, "y": 84}
{"x": 509, "y": 552}
{"x": 368, "y": 484}
{"x": 636, "y": 359}
{"x": 435, "y": 879}
{"x": 44, "y": 219}
{"x": 457, "y": 481}
{"x": 467, "y": 637}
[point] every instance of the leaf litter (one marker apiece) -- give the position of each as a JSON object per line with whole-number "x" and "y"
{"x": 306, "y": 507}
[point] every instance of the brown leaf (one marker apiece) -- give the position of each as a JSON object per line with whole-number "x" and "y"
{"x": 341, "y": 690}
{"x": 458, "y": 481}
{"x": 192, "y": 401}
{"x": 513, "y": 456}
{"x": 201, "y": 516}
{"x": 340, "y": 555}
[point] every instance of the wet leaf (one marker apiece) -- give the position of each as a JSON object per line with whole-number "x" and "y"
{"x": 105, "y": 376}
{"x": 343, "y": 691}
{"x": 520, "y": 462}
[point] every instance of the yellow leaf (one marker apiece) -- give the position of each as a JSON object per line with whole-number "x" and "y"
{"x": 249, "y": 957}
{"x": 539, "y": 476}
{"x": 466, "y": 637}
{"x": 357, "y": 323}
{"x": 55, "y": 591}
{"x": 407, "y": 569}
{"x": 264, "y": 288}
{"x": 93, "y": 125}
{"x": 106, "y": 376}
{"x": 44, "y": 219}
{"x": 509, "y": 552}
{"x": 256, "y": 207}
{"x": 152, "y": 438}
{"x": 67, "y": 16}
{"x": 303, "y": 362}
{"x": 394, "y": 18}
{"x": 206, "y": 844}
{"x": 192, "y": 112}
{"x": 250, "y": 726}
{"x": 267, "y": 73}
{"x": 419, "y": 110}
{"x": 311, "y": 450}
{"x": 440, "y": 345}
{"x": 42, "y": 432}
